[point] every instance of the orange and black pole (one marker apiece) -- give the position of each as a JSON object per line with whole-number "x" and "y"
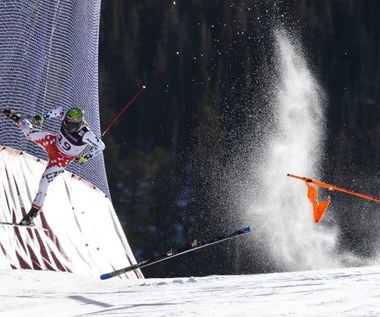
{"x": 333, "y": 187}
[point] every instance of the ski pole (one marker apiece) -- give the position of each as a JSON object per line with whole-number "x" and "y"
{"x": 124, "y": 108}
{"x": 333, "y": 187}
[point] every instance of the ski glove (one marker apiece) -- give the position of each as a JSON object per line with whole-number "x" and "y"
{"x": 81, "y": 159}
{"x": 38, "y": 119}
{"x": 6, "y": 112}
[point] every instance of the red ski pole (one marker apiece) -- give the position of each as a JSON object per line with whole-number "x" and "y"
{"x": 124, "y": 108}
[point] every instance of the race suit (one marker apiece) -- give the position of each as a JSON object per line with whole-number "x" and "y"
{"x": 61, "y": 148}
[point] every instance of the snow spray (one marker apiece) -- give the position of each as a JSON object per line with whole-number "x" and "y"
{"x": 281, "y": 212}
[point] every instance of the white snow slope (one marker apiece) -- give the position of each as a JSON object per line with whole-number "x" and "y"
{"x": 339, "y": 292}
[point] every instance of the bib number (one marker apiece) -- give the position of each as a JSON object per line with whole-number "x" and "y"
{"x": 65, "y": 145}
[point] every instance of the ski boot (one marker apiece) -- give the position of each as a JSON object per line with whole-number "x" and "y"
{"x": 12, "y": 115}
{"x": 28, "y": 218}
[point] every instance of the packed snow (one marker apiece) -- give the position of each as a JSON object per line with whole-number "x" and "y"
{"x": 339, "y": 292}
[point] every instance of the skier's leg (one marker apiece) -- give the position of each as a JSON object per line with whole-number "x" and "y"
{"x": 50, "y": 173}
{"x": 36, "y": 136}
{"x": 56, "y": 165}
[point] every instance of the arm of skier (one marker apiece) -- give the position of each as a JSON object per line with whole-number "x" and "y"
{"x": 54, "y": 113}
{"x": 96, "y": 144}
{"x": 38, "y": 119}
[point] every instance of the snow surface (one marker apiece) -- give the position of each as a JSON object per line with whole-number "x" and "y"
{"x": 339, "y": 292}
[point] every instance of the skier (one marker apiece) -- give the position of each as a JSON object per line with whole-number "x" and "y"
{"x": 62, "y": 148}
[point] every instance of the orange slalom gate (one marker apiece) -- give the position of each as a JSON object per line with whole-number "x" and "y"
{"x": 319, "y": 208}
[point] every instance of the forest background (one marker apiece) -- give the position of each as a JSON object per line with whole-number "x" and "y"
{"x": 177, "y": 157}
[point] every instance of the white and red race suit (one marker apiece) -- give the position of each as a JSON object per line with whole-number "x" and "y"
{"x": 61, "y": 148}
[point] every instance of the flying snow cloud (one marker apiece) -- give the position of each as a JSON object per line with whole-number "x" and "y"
{"x": 282, "y": 214}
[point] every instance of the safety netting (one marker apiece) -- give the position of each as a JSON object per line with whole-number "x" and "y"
{"x": 49, "y": 58}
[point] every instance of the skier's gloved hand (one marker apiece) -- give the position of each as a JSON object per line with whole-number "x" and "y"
{"x": 81, "y": 160}
{"x": 6, "y": 111}
{"x": 38, "y": 119}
